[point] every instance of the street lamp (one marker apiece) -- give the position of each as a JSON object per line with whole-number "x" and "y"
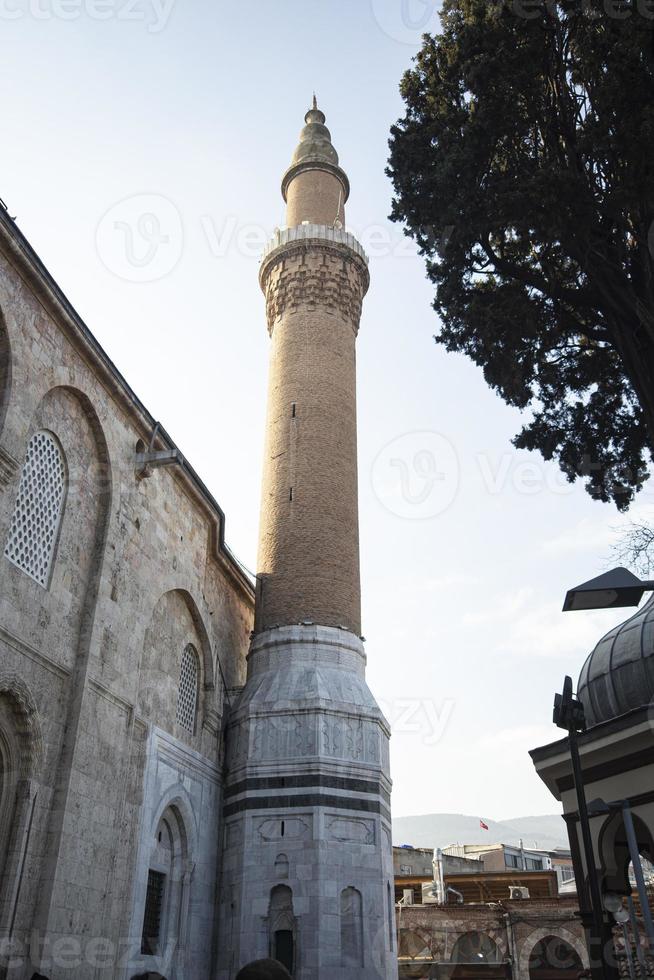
{"x": 612, "y": 590}
{"x": 569, "y": 715}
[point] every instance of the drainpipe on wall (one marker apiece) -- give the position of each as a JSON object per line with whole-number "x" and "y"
{"x": 510, "y": 944}
{"x": 439, "y": 877}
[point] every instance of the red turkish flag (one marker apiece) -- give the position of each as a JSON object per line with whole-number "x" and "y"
{"x": 484, "y": 826}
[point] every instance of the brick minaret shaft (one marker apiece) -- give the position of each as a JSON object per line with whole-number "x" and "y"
{"x": 314, "y": 276}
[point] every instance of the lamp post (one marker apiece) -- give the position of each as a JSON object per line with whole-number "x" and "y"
{"x": 612, "y": 590}
{"x": 569, "y": 715}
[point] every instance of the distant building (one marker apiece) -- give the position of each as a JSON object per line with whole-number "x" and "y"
{"x": 517, "y": 939}
{"x": 508, "y": 923}
{"x": 498, "y": 857}
{"x": 408, "y": 860}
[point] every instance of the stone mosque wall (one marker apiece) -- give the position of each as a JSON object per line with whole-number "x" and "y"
{"x": 124, "y": 624}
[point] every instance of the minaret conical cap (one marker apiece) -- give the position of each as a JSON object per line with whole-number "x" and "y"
{"x": 315, "y": 152}
{"x": 315, "y": 140}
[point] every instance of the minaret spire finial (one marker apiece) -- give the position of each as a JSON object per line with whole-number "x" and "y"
{"x": 315, "y": 101}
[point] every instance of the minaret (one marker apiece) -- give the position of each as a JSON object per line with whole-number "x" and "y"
{"x": 307, "y": 862}
{"x": 314, "y": 277}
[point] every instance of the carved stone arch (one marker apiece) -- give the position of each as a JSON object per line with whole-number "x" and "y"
{"x": 281, "y": 866}
{"x": 205, "y": 651}
{"x": 477, "y": 944}
{"x": 5, "y": 370}
{"x": 86, "y": 404}
{"x": 170, "y": 867}
{"x": 27, "y": 724}
{"x": 415, "y": 943}
{"x": 529, "y": 943}
{"x": 104, "y": 469}
{"x": 177, "y": 798}
{"x": 351, "y": 926}
{"x": 21, "y": 758}
{"x": 92, "y": 417}
{"x": 614, "y": 851}
{"x": 283, "y": 927}
{"x": 174, "y": 626}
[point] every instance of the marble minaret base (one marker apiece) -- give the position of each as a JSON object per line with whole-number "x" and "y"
{"x": 307, "y": 871}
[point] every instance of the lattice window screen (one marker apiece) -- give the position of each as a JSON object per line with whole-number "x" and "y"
{"x": 152, "y": 916}
{"x": 187, "y": 697}
{"x": 37, "y": 513}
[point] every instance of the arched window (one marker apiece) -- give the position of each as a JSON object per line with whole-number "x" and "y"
{"x": 282, "y": 926}
{"x": 13, "y": 773}
{"x": 281, "y": 866}
{"x": 39, "y": 504}
{"x": 351, "y": 928}
{"x": 162, "y": 925}
{"x": 553, "y": 959}
{"x": 6, "y": 787}
{"x": 475, "y": 947}
{"x": 413, "y": 946}
{"x": 187, "y": 695}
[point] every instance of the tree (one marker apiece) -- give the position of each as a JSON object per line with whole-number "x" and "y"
{"x": 524, "y": 170}
{"x": 635, "y": 547}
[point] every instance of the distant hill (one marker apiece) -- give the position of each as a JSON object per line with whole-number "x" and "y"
{"x": 441, "y": 829}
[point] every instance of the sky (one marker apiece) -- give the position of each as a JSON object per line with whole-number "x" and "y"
{"x": 144, "y": 143}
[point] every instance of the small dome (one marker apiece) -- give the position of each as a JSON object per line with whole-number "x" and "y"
{"x": 619, "y": 674}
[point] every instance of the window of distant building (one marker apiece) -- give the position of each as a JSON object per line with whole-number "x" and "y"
{"x": 475, "y": 947}
{"x": 553, "y": 957}
{"x": 512, "y": 860}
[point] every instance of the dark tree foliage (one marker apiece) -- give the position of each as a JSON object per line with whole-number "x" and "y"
{"x": 524, "y": 169}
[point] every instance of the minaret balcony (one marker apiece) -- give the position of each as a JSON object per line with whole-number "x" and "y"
{"x": 310, "y": 232}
